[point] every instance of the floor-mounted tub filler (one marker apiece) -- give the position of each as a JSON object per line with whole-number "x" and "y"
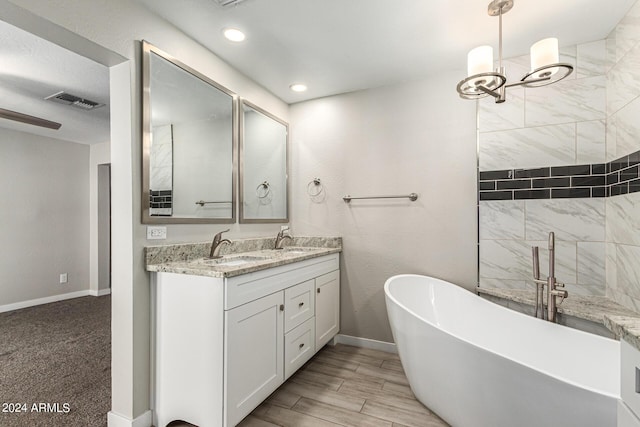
{"x": 478, "y": 364}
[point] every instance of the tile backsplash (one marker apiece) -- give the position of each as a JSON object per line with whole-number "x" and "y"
{"x": 620, "y": 176}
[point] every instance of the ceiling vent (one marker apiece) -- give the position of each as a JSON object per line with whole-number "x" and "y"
{"x": 228, "y": 3}
{"x": 74, "y": 101}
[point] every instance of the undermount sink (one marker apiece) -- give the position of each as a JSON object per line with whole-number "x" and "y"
{"x": 298, "y": 249}
{"x": 237, "y": 260}
{"x": 289, "y": 250}
{"x": 232, "y": 261}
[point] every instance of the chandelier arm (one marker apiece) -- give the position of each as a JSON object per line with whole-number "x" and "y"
{"x": 541, "y": 79}
{"x": 489, "y": 91}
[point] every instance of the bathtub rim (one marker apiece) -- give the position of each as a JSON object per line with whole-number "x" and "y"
{"x": 390, "y": 296}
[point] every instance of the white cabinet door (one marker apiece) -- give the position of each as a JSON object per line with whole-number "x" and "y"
{"x": 630, "y": 376}
{"x": 626, "y": 418}
{"x": 327, "y": 307}
{"x": 254, "y": 354}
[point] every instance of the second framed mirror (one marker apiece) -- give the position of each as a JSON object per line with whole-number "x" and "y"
{"x": 264, "y": 157}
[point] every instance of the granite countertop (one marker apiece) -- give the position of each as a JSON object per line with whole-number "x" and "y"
{"x": 625, "y": 327}
{"x": 623, "y": 322}
{"x": 240, "y": 257}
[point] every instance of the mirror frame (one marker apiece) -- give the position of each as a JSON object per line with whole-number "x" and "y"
{"x": 242, "y": 219}
{"x": 147, "y": 50}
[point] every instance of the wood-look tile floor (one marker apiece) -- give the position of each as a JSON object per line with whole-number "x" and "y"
{"x": 345, "y": 386}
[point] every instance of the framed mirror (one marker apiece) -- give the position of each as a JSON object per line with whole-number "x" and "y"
{"x": 189, "y": 144}
{"x": 264, "y": 152}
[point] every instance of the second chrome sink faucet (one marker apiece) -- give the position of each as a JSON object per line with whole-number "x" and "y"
{"x": 552, "y": 285}
{"x": 281, "y": 236}
{"x": 216, "y": 245}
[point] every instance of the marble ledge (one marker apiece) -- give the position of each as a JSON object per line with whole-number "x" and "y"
{"x": 623, "y": 322}
{"x": 189, "y": 258}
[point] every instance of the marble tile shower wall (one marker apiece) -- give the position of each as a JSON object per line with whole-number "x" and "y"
{"x": 553, "y": 126}
{"x": 588, "y": 119}
{"x": 623, "y": 136}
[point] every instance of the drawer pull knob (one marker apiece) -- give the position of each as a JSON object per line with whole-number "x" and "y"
{"x": 318, "y": 290}
{"x": 281, "y": 307}
{"x": 301, "y": 304}
{"x": 301, "y": 345}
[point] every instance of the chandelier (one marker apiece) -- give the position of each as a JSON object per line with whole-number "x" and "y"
{"x": 482, "y": 81}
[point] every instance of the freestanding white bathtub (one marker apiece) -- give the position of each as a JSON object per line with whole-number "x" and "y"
{"x": 478, "y": 364}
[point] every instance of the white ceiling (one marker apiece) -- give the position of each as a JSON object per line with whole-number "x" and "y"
{"x": 32, "y": 69}
{"x": 338, "y": 46}
{"x": 334, "y": 46}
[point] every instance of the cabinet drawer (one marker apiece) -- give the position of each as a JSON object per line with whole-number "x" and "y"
{"x": 299, "y": 346}
{"x": 299, "y": 304}
{"x": 630, "y": 376}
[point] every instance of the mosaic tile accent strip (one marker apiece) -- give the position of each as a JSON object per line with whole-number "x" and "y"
{"x": 161, "y": 202}
{"x": 620, "y": 176}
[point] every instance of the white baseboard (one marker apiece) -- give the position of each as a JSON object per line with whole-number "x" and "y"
{"x": 117, "y": 420}
{"x": 388, "y": 347}
{"x": 39, "y": 301}
{"x": 100, "y": 292}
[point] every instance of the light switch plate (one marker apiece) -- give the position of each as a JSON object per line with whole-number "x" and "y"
{"x": 155, "y": 232}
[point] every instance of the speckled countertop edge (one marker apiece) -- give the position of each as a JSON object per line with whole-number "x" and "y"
{"x": 623, "y": 322}
{"x": 187, "y": 258}
{"x": 625, "y": 327}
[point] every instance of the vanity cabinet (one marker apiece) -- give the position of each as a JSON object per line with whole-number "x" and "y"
{"x": 629, "y": 405}
{"x": 223, "y": 345}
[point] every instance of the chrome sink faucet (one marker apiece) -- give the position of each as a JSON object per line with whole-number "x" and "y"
{"x": 281, "y": 236}
{"x": 552, "y": 284}
{"x": 216, "y": 245}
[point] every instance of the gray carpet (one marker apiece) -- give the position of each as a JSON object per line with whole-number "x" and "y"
{"x": 57, "y": 353}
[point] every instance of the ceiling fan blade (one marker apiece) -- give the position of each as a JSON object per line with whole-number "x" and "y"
{"x": 25, "y": 118}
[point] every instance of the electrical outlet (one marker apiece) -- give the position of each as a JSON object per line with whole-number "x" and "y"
{"x": 156, "y": 233}
{"x": 63, "y": 278}
{"x": 284, "y": 227}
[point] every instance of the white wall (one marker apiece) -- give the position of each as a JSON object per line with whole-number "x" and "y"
{"x": 413, "y": 137}
{"x": 45, "y": 217}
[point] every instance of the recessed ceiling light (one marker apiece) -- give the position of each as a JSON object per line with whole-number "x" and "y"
{"x": 233, "y": 34}
{"x": 298, "y": 87}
